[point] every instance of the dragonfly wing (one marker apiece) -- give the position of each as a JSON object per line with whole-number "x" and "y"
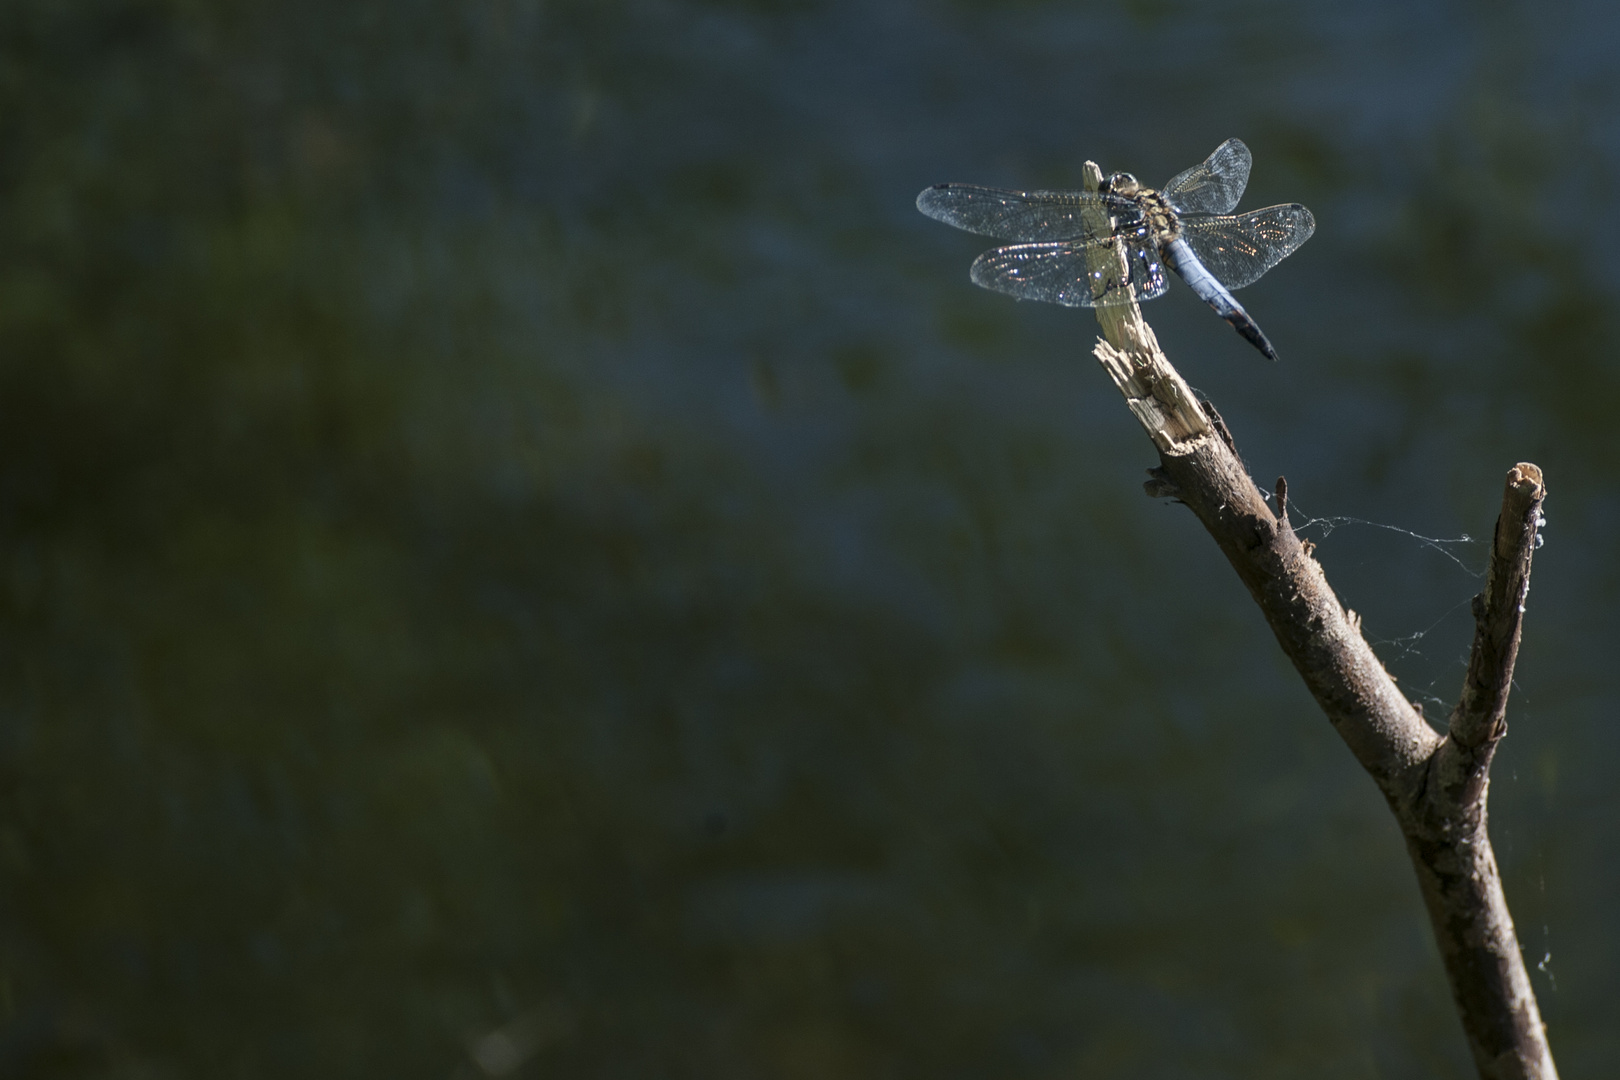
{"x": 1237, "y": 250}
{"x": 1017, "y": 215}
{"x": 1062, "y": 273}
{"x": 1215, "y": 186}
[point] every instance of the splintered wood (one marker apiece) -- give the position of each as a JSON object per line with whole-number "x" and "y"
{"x": 1155, "y": 392}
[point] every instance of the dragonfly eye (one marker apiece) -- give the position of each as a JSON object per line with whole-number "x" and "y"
{"x": 1123, "y": 183}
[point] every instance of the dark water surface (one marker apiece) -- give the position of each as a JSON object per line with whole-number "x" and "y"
{"x": 524, "y": 554}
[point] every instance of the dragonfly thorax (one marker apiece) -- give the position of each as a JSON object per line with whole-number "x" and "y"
{"x": 1151, "y": 213}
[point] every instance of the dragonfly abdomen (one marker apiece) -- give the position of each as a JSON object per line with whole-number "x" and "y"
{"x": 1212, "y": 292}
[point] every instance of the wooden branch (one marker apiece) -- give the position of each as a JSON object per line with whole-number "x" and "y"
{"x": 1446, "y": 833}
{"x": 1436, "y": 786}
{"x": 1480, "y": 716}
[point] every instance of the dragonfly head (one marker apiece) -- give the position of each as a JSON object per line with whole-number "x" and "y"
{"x": 1122, "y": 183}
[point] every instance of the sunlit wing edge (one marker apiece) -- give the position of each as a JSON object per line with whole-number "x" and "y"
{"x": 1061, "y": 274}
{"x": 1214, "y": 185}
{"x": 1028, "y": 216}
{"x": 1240, "y": 249}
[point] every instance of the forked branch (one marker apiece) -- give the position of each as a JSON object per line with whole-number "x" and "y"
{"x": 1435, "y": 785}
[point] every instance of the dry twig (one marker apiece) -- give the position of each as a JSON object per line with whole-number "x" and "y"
{"x": 1435, "y": 785}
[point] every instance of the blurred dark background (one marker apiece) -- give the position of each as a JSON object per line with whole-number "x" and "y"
{"x": 525, "y": 555}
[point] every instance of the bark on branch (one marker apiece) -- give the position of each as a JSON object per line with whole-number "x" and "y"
{"x": 1435, "y": 785}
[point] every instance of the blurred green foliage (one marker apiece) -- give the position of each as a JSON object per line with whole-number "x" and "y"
{"x": 504, "y": 538}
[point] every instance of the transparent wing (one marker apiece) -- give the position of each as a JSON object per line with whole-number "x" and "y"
{"x": 1237, "y": 250}
{"x": 1215, "y": 186}
{"x": 1018, "y": 215}
{"x": 1062, "y": 274}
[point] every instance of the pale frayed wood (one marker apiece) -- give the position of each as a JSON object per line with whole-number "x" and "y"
{"x": 1129, "y": 351}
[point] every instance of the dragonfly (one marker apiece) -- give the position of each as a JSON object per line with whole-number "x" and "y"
{"x": 1065, "y": 241}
